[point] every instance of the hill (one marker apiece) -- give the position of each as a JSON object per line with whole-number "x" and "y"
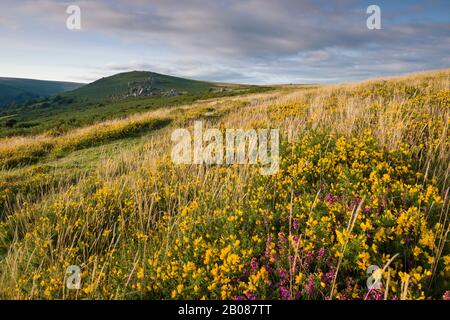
{"x": 138, "y": 84}
{"x": 111, "y": 97}
{"x": 17, "y": 90}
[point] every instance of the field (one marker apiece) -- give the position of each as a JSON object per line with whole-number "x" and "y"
{"x": 364, "y": 180}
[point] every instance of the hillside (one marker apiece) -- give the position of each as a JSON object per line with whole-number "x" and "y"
{"x": 119, "y": 95}
{"x": 16, "y": 90}
{"x": 126, "y": 84}
{"x": 363, "y": 180}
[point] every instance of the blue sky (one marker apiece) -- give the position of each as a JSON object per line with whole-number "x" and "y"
{"x": 245, "y": 41}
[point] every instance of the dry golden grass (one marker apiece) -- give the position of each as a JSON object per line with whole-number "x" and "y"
{"x": 133, "y": 221}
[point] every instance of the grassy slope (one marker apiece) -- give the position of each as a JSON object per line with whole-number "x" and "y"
{"x": 122, "y": 208}
{"x": 95, "y": 102}
{"x": 117, "y": 85}
{"x": 15, "y": 90}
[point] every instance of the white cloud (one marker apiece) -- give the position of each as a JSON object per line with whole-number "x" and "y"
{"x": 253, "y": 40}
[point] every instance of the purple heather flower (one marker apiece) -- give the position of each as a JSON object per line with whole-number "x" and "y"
{"x": 295, "y": 224}
{"x": 310, "y": 285}
{"x": 254, "y": 265}
{"x": 328, "y": 276}
{"x": 284, "y": 294}
{"x": 330, "y": 198}
{"x": 250, "y": 296}
{"x": 309, "y": 256}
{"x": 355, "y": 203}
{"x": 267, "y": 253}
{"x": 376, "y": 295}
{"x": 282, "y": 238}
{"x": 283, "y": 274}
{"x": 343, "y": 296}
{"x": 447, "y": 295}
{"x": 321, "y": 253}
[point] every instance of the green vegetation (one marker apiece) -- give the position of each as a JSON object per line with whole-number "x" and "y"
{"x": 17, "y": 91}
{"x": 106, "y": 99}
{"x": 116, "y": 86}
{"x": 364, "y": 180}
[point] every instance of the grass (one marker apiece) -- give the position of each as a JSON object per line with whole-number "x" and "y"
{"x": 363, "y": 180}
{"x": 117, "y": 85}
{"x": 21, "y": 151}
{"x": 16, "y": 90}
{"x": 104, "y": 100}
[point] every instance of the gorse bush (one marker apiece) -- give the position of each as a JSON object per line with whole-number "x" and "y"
{"x": 315, "y": 198}
{"x": 283, "y": 239}
{"x": 363, "y": 181}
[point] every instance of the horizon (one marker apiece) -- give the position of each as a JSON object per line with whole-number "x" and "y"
{"x": 247, "y": 42}
{"x": 268, "y": 84}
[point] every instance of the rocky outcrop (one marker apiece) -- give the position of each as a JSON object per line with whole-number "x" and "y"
{"x": 148, "y": 88}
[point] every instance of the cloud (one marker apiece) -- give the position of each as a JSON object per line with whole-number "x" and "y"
{"x": 255, "y": 40}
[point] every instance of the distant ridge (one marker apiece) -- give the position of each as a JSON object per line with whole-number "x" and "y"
{"x": 18, "y": 90}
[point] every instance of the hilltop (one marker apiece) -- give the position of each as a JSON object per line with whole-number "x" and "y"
{"x": 138, "y": 84}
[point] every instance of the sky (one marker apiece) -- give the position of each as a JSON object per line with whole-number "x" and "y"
{"x": 239, "y": 41}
